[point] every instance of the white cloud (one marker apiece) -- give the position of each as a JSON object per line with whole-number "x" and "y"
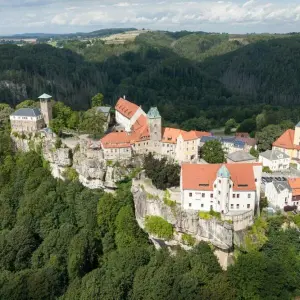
{"x": 210, "y": 15}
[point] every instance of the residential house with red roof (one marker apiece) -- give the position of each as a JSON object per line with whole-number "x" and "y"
{"x": 224, "y": 188}
{"x": 289, "y": 143}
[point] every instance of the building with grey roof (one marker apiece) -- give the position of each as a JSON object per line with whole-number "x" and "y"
{"x": 279, "y": 194}
{"x": 274, "y": 159}
{"x": 240, "y": 157}
{"x": 26, "y": 120}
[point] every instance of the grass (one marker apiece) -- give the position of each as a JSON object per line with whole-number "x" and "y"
{"x": 187, "y": 239}
{"x": 208, "y": 215}
{"x": 167, "y": 199}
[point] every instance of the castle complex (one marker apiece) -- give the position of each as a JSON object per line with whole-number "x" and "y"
{"x": 142, "y": 133}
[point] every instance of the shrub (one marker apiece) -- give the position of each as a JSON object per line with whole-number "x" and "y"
{"x": 266, "y": 170}
{"x": 167, "y": 199}
{"x": 159, "y": 227}
{"x": 205, "y": 215}
{"x": 58, "y": 143}
{"x": 70, "y": 174}
{"x": 187, "y": 239}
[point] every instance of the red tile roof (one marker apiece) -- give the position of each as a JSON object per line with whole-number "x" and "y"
{"x": 242, "y": 135}
{"x": 126, "y": 108}
{"x": 116, "y": 140}
{"x": 202, "y": 176}
{"x": 193, "y": 135}
{"x": 295, "y": 186}
{"x": 170, "y": 135}
{"x": 286, "y": 140}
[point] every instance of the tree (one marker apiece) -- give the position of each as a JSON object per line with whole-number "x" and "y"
{"x": 212, "y": 152}
{"x": 97, "y": 100}
{"x": 229, "y": 125}
{"x": 201, "y": 123}
{"x": 248, "y": 125}
{"x": 267, "y": 136}
{"x": 92, "y": 122}
{"x": 28, "y": 104}
{"x": 254, "y": 152}
{"x": 5, "y": 112}
{"x": 261, "y": 121}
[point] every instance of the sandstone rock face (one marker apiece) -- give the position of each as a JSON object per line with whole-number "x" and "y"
{"x": 93, "y": 170}
{"x": 219, "y": 233}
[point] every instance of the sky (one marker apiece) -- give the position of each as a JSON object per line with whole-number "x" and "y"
{"x": 66, "y": 16}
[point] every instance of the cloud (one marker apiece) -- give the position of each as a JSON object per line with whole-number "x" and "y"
{"x": 209, "y": 15}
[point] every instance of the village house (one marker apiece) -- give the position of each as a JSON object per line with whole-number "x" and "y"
{"x": 274, "y": 159}
{"x": 30, "y": 120}
{"x": 224, "y": 188}
{"x": 231, "y": 144}
{"x": 283, "y": 193}
{"x": 240, "y": 157}
{"x": 289, "y": 143}
{"x": 143, "y": 133}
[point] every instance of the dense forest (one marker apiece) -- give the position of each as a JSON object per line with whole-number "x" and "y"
{"x": 59, "y": 240}
{"x": 197, "y": 80}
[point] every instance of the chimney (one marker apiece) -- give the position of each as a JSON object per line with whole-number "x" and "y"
{"x": 124, "y": 97}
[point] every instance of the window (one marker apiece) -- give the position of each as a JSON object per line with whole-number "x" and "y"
{"x": 231, "y": 206}
{"x": 255, "y": 179}
{"x": 219, "y": 181}
{"x": 190, "y": 194}
{"x": 190, "y": 204}
{"x": 238, "y": 195}
{"x": 218, "y": 202}
{"x": 233, "y": 195}
{"x": 219, "y": 192}
{"x": 249, "y": 195}
{"x": 237, "y": 206}
{"x": 203, "y": 195}
{"x": 211, "y": 195}
{"x": 202, "y": 205}
{"x": 248, "y": 205}
{"x": 215, "y": 186}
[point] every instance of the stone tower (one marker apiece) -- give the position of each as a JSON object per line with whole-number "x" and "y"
{"x": 46, "y": 108}
{"x": 154, "y": 121}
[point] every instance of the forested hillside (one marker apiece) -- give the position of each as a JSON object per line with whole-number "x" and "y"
{"x": 59, "y": 240}
{"x": 197, "y": 80}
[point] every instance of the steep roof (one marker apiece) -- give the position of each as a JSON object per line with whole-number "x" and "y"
{"x": 295, "y": 186}
{"x": 202, "y": 176}
{"x": 273, "y": 154}
{"x": 286, "y": 140}
{"x": 153, "y": 113}
{"x": 170, "y": 135}
{"x": 240, "y": 156}
{"x": 281, "y": 186}
{"x": 116, "y": 140}
{"x": 126, "y": 108}
{"x": 45, "y": 96}
{"x": 27, "y": 112}
{"x": 140, "y": 130}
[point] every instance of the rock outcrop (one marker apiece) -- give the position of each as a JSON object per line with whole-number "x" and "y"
{"x": 17, "y": 90}
{"x": 217, "y": 232}
{"x": 93, "y": 170}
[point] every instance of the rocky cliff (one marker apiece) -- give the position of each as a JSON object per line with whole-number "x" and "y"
{"x": 93, "y": 170}
{"x": 217, "y": 232}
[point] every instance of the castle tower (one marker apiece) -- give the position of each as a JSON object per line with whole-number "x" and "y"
{"x": 223, "y": 187}
{"x": 297, "y": 135}
{"x": 154, "y": 121}
{"x": 46, "y": 108}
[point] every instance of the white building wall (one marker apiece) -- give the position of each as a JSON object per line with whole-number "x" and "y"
{"x": 242, "y": 200}
{"x": 275, "y": 165}
{"x": 128, "y": 122}
{"x": 278, "y": 200}
{"x": 198, "y": 200}
{"x": 117, "y": 153}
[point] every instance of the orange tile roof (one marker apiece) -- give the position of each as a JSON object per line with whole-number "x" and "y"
{"x": 140, "y": 130}
{"x": 193, "y": 134}
{"x": 126, "y": 108}
{"x": 286, "y": 140}
{"x": 116, "y": 140}
{"x": 170, "y": 135}
{"x": 202, "y": 176}
{"x": 295, "y": 186}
